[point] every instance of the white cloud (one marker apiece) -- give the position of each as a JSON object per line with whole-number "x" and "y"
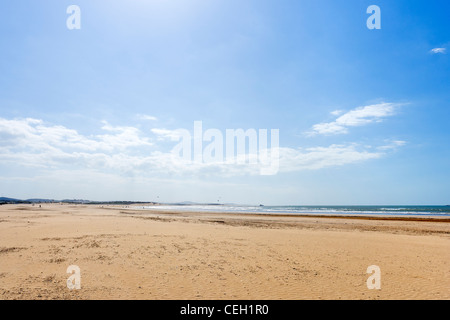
{"x": 124, "y": 137}
{"x": 33, "y": 134}
{"x": 165, "y": 134}
{"x": 438, "y": 50}
{"x": 337, "y": 112}
{"x": 394, "y": 144}
{"x": 323, "y": 157}
{"x": 354, "y": 118}
{"x": 124, "y": 150}
{"x": 147, "y": 117}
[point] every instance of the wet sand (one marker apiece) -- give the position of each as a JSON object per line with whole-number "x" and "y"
{"x": 138, "y": 254}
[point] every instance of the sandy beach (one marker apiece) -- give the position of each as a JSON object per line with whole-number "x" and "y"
{"x": 137, "y": 254}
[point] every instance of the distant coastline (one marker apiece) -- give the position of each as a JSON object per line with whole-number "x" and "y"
{"x": 4, "y": 200}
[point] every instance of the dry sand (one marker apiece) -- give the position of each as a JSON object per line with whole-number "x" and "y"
{"x": 131, "y": 254}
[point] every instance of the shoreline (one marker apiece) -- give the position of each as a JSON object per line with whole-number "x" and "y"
{"x": 393, "y": 217}
{"x": 346, "y": 214}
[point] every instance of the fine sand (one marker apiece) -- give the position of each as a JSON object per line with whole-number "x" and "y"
{"x": 135, "y": 254}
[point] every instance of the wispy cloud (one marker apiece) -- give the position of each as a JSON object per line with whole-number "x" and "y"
{"x": 166, "y": 134}
{"x": 438, "y": 50}
{"x": 323, "y": 157}
{"x": 392, "y": 145}
{"x": 337, "y": 112}
{"x": 147, "y": 117}
{"x": 354, "y": 118}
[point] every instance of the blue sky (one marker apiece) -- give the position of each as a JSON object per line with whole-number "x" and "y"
{"x": 362, "y": 114}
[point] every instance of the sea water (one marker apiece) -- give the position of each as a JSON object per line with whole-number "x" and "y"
{"x": 312, "y": 210}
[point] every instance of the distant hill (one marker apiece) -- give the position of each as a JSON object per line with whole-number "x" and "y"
{"x": 4, "y": 199}
{"x": 39, "y": 200}
{"x": 75, "y": 201}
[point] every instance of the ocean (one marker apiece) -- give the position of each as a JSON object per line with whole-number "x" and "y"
{"x": 313, "y": 210}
